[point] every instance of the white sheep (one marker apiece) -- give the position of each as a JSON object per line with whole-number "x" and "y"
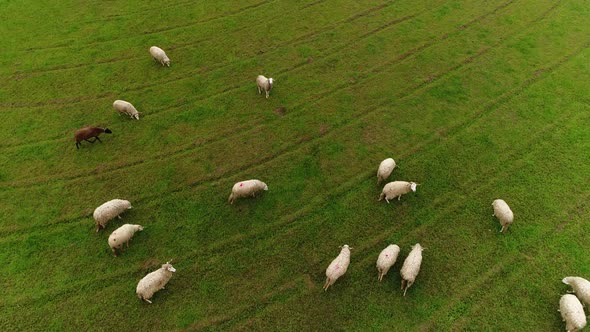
{"x": 581, "y": 287}
{"x": 503, "y": 213}
{"x": 397, "y": 189}
{"x": 411, "y": 267}
{"x": 125, "y": 107}
{"x": 160, "y": 56}
{"x": 385, "y": 169}
{"x": 572, "y": 313}
{"x": 154, "y": 281}
{"x": 245, "y": 189}
{"x": 386, "y": 259}
{"x": 110, "y": 210}
{"x": 122, "y": 235}
{"x": 264, "y": 84}
{"x": 338, "y": 267}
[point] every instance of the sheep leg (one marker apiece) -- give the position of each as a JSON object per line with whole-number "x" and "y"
{"x": 399, "y": 197}
{"x": 403, "y": 283}
{"x": 119, "y": 217}
{"x": 87, "y": 140}
{"x": 78, "y": 145}
{"x": 387, "y": 200}
{"x": 259, "y": 91}
{"x": 97, "y": 139}
{"x": 148, "y": 301}
{"x": 266, "y": 94}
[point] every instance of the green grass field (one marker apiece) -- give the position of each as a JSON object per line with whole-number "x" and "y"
{"x": 475, "y": 100}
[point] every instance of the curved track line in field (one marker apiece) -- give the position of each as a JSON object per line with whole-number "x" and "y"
{"x": 365, "y": 252}
{"x": 472, "y": 286}
{"x": 452, "y": 131}
{"x": 189, "y": 75}
{"x": 294, "y": 41}
{"x": 223, "y": 245}
{"x": 323, "y": 95}
{"x": 155, "y": 31}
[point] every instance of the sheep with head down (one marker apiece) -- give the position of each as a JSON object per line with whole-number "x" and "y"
{"x": 411, "y": 267}
{"x": 245, "y": 189}
{"x": 122, "y": 235}
{"x": 503, "y": 213}
{"x": 385, "y": 169}
{"x": 387, "y": 259}
{"x": 581, "y": 287}
{"x": 124, "y": 107}
{"x": 397, "y": 189}
{"x": 160, "y": 56}
{"x": 572, "y": 313}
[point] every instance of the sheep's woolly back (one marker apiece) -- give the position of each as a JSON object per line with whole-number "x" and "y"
{"x": 581, "y": 287}
{"x": 246, "y": 188}
{"x": 122, "y": 235}
{"x": 503, "y": 213}
{"x": 337, "y": 267}
{"x": 159, "y": 55}
{"x": 154, "y": 281}
{"x": 572, "y": 313}
{"x": 396, "y": 189}
{"x": 411, "y": 266}
{"x": 126, "y": 107}
{"x": 385, "y": 169}
{"x": 387, "y": 259}
{"x": 110, "y": 210}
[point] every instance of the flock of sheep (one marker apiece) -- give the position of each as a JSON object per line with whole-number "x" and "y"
{"x": 570, "y": 306}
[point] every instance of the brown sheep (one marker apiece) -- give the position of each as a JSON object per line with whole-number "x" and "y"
{"x": 86, "y": 133}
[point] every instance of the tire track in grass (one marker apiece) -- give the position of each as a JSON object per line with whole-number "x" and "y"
{"x": 155, "y": 31}
{"x": 221, "y": 247}
{"x": 452, "y": 131}
{"x": 292, "y": 42}
{"x": 190, "y": 75}
{"x": 175, "y": 107}
{"x": 473, "y": 286}
{"x": 225, "y": 137}
{"x": 365, "y": 252}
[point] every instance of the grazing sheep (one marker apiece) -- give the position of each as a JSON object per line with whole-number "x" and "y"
{"x": 86, "y": 133}
{"x": 125, "y": 107}
{"x": 503, "y": 213}
{"x": 338, "y": 267}
{"x": 246, "y": 188}
{"x": 572, "y": 313}
{"x": 264, "y": 84}
{"x": 397, "y": 189}
{"x": 386, "y": 259}
{"x": 581, "y": 287}
{"x": 411, "y": 267}
{"x": 385, "y": 169}
{"x": 154, "y": 281}
{"x": 160, "y": 56}
{"x": 110, "y": 210}
{"x": 122, "y": 235}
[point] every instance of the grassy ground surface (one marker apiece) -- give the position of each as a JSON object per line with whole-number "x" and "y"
{"x": 475, "y": 100}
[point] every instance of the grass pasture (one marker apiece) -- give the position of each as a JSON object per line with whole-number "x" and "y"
{"x": 475, "y": 100}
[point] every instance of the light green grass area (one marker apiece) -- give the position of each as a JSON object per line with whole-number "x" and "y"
{"x": 475, "y": 100}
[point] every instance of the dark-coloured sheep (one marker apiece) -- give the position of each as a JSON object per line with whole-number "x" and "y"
{"x": 86, "y": 133}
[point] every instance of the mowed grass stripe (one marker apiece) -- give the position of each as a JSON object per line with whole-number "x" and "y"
{"x": 230, "y": 138}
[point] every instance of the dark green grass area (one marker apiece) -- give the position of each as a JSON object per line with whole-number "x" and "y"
{"x": 474, "y": 100}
